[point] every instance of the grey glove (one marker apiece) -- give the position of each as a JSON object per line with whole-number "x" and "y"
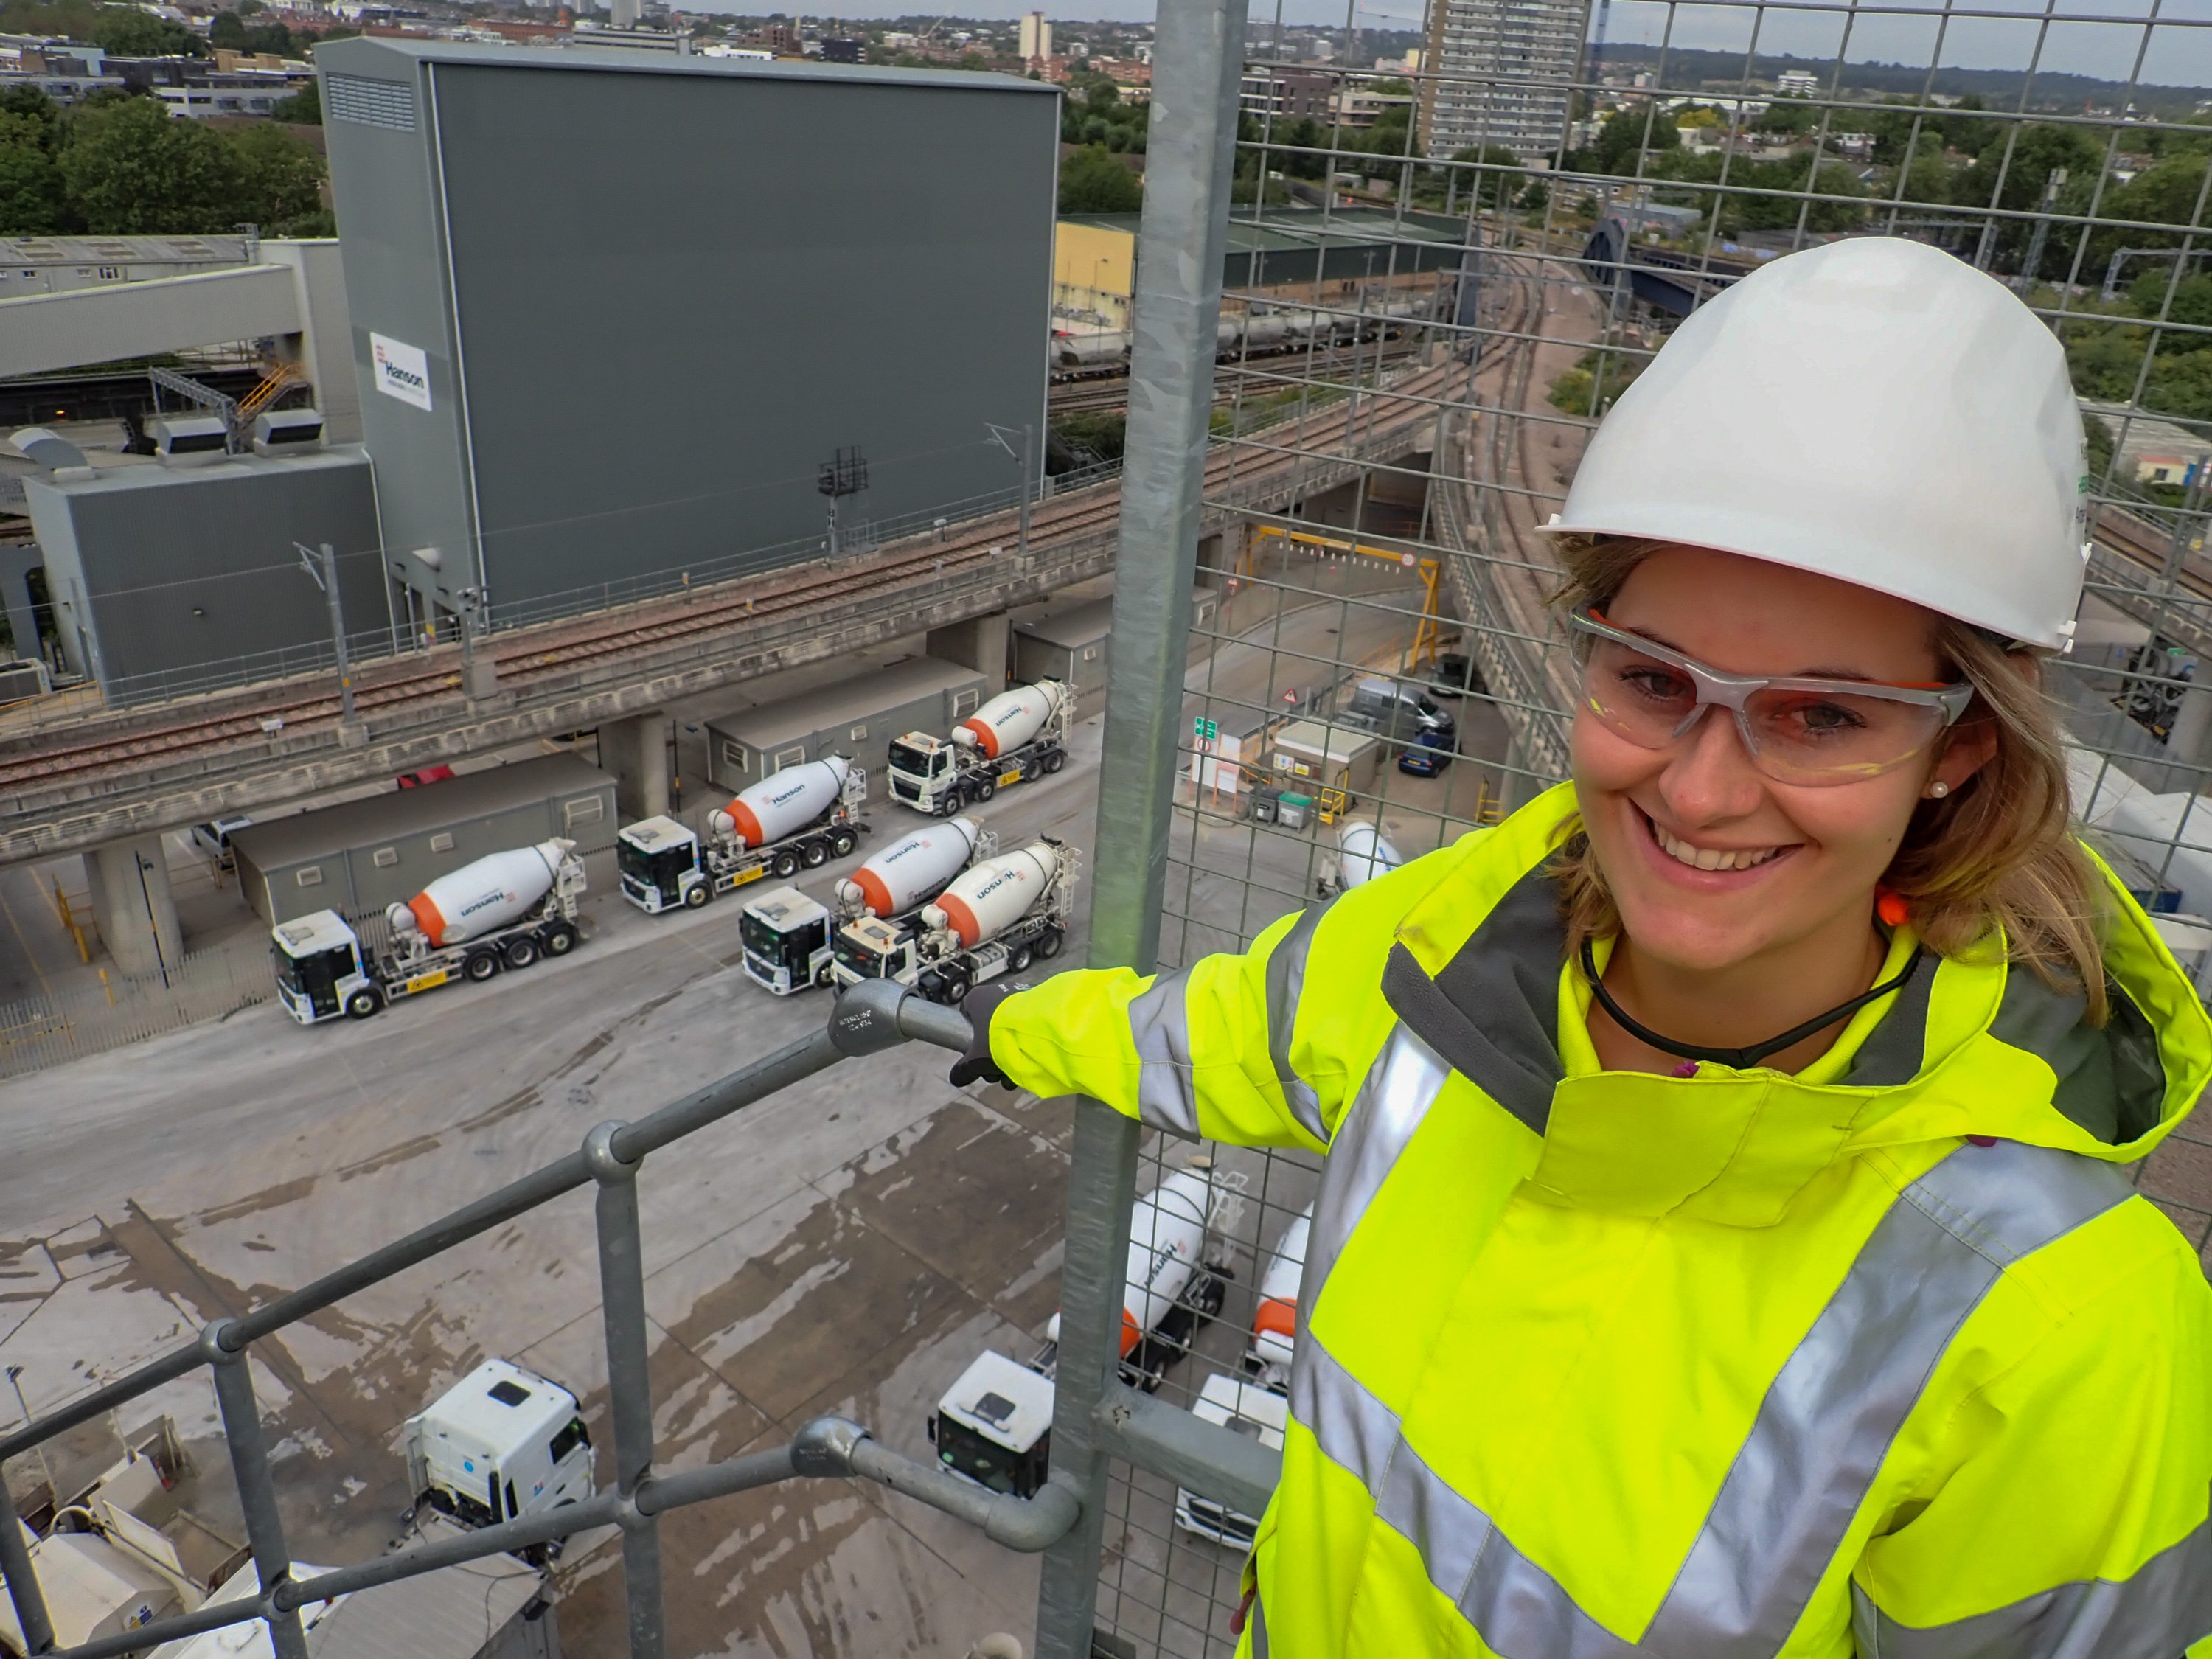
{"x": 975, "y": 1064}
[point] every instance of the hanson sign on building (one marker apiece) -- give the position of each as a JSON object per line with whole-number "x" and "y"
{"x": 402, "y": 371}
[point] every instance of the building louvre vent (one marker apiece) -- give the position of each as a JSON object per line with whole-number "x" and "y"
{"x": 370, "y": 103}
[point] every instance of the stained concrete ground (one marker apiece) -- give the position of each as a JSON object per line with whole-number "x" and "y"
{"x": 846, "y": 1246}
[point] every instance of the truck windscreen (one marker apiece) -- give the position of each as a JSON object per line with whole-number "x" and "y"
{"x": 316, "y": 976}
{"x": 984, "y": 1461}
{"x": 790, "y": 949}
{"x": 659, "y": 869}
{"x": 907, "y": 758}
{"x": 856, "y": 957}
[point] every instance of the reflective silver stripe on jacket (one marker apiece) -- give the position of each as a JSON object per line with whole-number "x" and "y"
{"x": 1259, "y": 1618}
{"x": 1388, "y": 1108}
{"x": 2157, "y": 1611}
{"x": 1159, "y": 1025}
{"x": 1286, "y": 983}
{"x": 1821, "y": 1435}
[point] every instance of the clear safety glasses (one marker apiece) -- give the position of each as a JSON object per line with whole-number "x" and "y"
{"x": 1813, "y": 731}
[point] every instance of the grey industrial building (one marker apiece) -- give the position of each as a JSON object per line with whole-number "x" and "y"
{"x": 639, "y": 362}
{"x": 160, "y": 576}
{"x": 1071, "y": 642}
{"x": 359, "y": 856}
{"x": 856, "y": 718}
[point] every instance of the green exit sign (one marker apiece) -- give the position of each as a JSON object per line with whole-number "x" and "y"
{"x": 1207, "y": 730}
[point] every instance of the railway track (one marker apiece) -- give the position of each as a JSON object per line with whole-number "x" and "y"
{"x": 387, "y": 694}
{"x": 1108, "y": 392}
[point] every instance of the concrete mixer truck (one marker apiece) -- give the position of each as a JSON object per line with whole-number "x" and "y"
{"x": 1362, "y": 853}
{"x": 787, "y": 936}
{"x": 992, "y": 918}
{"x": 994, "y": 1425}
{"x": 505, "y": 910}
{"x": 1018, "y": 734}
{"x": 801, "y": 816}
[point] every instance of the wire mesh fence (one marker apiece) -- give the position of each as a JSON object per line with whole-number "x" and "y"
{"x": 1385, "y": 663}
{"x": 51, "y": 1028}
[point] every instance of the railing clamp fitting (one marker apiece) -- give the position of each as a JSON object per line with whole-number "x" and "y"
{"x": 824, "y": 1450}
{"x": 600, "y": 1158}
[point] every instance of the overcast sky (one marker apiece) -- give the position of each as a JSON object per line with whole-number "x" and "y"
{"x": 2178, "y": 52}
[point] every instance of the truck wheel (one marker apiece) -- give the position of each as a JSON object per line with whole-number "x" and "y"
{"x": 559, "y": 938}
{"x": 694, "y": 898}
{"x": 364, "y": 1003}
{"x": 826, "y": 975}
{"x": 982, "y": 789}
{"x": 1048, "y": 945}
{"x": 520, "y": 952}
{"x": 842, "y": 841}
{"x": 785, "y": 864}
{"x": 1019, "y": 960}
{"x": 1053, "y": 760}
{"x": 481, "y": 965}
{"x": 815, "y": 854}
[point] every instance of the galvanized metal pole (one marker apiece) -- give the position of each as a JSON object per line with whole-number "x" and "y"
{"x": 338, "y": 633}
{"x": 257, "y": 1492}
{"x": 1029, "y": 449}
{"x": 630, "y": 1388}
{"x": 22, "y": 1579}
{"x": 1198, "y": 61}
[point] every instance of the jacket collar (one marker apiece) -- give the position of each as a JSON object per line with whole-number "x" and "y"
{"x": 1479, "y": 971}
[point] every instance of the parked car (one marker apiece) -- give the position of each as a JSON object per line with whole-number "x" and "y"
{"x": 426, "y": 775}
{"x": 1455, "y": 676}
{"x": 212, "y": 841}
{"x": 1426, "y": 756}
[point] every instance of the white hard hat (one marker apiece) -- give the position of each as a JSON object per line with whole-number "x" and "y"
{"x": 1873, "y": 411}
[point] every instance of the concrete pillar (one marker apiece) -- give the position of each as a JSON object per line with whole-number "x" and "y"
{"x": 133, "y": 907}
{"x": 2188, "y": 739}
{"x": 636, "y": 751}
{"x": 983, "y": 643}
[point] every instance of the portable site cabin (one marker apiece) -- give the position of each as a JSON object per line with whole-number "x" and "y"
{"x": 360, "y": 856}
{"x": 856, "y": 717}
{"x": 1055, "y": 641}
{"x": 1307, "y": 757}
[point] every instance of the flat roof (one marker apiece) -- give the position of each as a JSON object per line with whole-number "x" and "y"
{"x": 848, "y": 701}
{"x": 110, "y": 480}
{"x": 413, "y": 811}
{"x": 339, "y": 55}
{"x": 1078, "y": 625}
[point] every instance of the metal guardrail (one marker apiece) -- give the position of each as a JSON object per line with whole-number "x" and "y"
{"x": 868, "y": 1019}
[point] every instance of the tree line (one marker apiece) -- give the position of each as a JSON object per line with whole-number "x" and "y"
{"x": 120, "y": 165}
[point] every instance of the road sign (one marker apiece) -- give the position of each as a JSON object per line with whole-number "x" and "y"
{"x": 1207, "y": 730}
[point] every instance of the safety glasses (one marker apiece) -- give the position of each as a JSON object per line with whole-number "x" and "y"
{"x": 1811, "y": 732}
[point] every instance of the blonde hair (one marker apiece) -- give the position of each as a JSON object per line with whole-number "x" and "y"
{"x": 1997, "y": 857}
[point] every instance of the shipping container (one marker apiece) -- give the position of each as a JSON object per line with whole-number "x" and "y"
{"x": 360, "y": 856}
{"x": 856, "y": 718}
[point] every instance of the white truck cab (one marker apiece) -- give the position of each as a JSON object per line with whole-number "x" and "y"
{"x": 499, "y": 1443}
{"x": 1246, "y": 1408}
{"x": 785, "y": 936}
{"x": 994, "y": 1426}
{"x": 659, "y": 866}
{"x": 319, "y": 972}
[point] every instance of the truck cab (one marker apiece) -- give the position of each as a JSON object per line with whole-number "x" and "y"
{"x": 660, "y": 867}
{"x": 874, "y": 948}
{"x": 499, "y": 1443}
{"x": 994, "y": 1426}
{"x": 1244, "y": 1408}
{"x": 924, "y": 774}
{"x": 319, "y": 973}
{"x": 785, "y": 937}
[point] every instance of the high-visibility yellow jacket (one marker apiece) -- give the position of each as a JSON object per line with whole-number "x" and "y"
{"x": 1886, "y": 1357}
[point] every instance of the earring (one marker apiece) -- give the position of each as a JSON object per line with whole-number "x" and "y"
{"x": 1938, "y": 789}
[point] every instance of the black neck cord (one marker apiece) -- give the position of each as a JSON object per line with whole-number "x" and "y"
{"x": 1741, "y": 1059}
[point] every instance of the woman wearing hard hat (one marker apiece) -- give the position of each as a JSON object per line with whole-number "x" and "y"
{"x": 1725, "y": 1245}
